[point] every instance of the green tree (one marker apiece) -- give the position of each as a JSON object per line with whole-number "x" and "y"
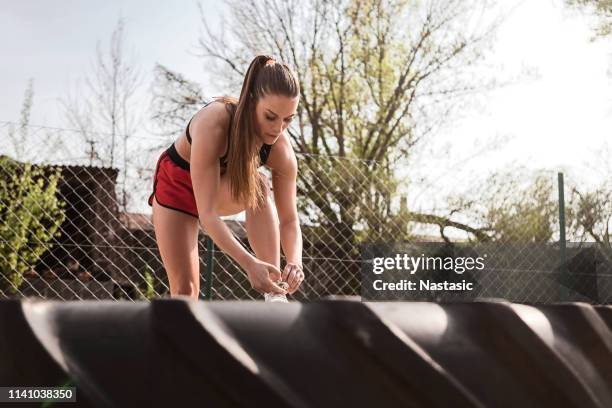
{"x": 592, "y": 212}
{"x": 30, "y": 212}
{"x": 514, "y": 205}
{"x": 601, "y": 9}
{"x": 592, "y": 209}
{"x": 30, "y": 217}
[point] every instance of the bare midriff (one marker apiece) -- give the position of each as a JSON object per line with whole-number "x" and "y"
{"x": 183, "y": 147}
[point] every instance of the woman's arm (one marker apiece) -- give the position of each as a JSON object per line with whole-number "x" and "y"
{"x": 284, "y": 179}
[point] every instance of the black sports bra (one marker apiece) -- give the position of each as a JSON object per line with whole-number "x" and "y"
{"x": 264, "y": 152}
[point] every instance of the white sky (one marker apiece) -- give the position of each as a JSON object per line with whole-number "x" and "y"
{"x": 556, "y": 120}
{"x": 567, "y": 111}
{"x": 54, "y": 43}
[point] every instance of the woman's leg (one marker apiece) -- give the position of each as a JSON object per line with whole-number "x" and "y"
{"x": 177, "y": 238}
{"x": 262, "y": 230}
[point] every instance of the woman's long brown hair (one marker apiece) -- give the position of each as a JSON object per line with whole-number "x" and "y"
{"x": 265, "y": 76}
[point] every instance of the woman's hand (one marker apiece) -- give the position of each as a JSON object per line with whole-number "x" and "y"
{"x": 264, "y": 277}
{"x": 293, "y": 275}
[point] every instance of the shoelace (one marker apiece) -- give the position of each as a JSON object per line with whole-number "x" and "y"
{"x": 277, "y": 297}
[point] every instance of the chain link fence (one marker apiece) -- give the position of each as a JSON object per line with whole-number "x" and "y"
{"x": 75, "y": 227}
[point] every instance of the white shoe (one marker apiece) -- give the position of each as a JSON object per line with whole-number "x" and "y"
{"x": 277, "y": 297}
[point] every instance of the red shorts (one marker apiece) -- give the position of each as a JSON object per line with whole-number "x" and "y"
{"x": 172, "y": 186}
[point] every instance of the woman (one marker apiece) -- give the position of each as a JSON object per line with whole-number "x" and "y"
{"x": 211, "y": 171}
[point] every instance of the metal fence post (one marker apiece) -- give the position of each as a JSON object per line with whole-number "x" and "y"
{"x": 562, "y": 242}
{"x": 210, "y": 259}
